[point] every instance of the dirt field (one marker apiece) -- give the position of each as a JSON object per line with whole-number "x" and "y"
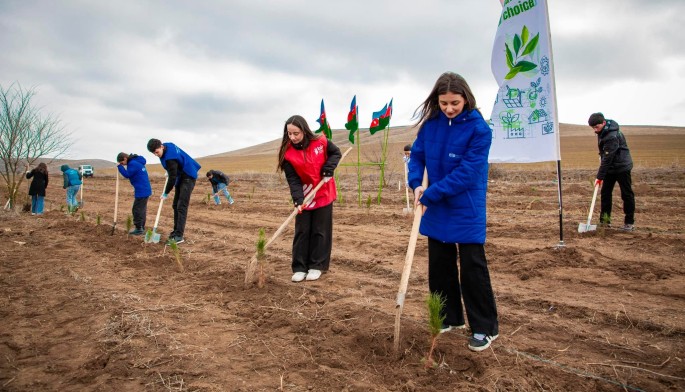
{"x": 84, "y": 310}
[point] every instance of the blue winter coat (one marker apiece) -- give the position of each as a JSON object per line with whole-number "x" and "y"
{"x": 185, "y": 162}
{"x": 455, "y": 153}
{"x": 136, "y": 173}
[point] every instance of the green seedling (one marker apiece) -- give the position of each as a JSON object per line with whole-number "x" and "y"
{"x": 209, "y": 198}
{"x": 82, "y": 218}
{"x": 177, "y": 254}
{"x": 435, "y": 303}
{"x": 148, "y": 235}
{"x": 98, "y": 219}
{"x": 261, "y": 259}
{"x": 129, "y": 223}
{"x": 368, "y": 202}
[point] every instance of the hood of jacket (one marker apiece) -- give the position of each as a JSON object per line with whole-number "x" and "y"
{"x": 64, "y": 168}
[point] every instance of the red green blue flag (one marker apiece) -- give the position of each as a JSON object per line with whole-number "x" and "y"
{"x": 381, "y": 119}
{"x": 352, "y": 123}
{"x": 323, "y": 121}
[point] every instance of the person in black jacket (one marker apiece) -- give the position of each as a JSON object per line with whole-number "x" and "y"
{"x": 616, "y": 164}
{"x": 219, "y": 183}
{"x": 38, "y": 187}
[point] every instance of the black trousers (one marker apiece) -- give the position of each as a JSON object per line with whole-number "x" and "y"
{"x": 473, "y": 284}
{"x": 139, "y": 212}
{"x": 626, "y": 184}
{"x": 313, "y": 241}
{"x": 181, "y": 202}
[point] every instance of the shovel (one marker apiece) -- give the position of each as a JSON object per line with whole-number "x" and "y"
{"x": 585, "y": 227}
{"x": 116, "y": 203}
{"x": 408, "y": 209}
{"x": 154, "y": 236}
{"x": 406, "y": 270}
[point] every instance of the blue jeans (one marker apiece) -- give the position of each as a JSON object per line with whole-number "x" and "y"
{"x": 221, "y": 187}
{"x": 72, "y": 191}
{"x": 37, "y": 203}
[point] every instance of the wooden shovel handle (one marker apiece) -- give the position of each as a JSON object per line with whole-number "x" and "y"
{"x": 408, "y": 260}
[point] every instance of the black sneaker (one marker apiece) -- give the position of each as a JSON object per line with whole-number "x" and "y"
{"x": 137, "y": 232}
{"x": 447, "y": 328}
{"x": 175, "y": 239}
{"x": 476, "y": 344}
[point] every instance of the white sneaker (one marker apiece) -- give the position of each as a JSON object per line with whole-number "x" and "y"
{"x": 313, "y": 274}
{"x": 298, "y": 276}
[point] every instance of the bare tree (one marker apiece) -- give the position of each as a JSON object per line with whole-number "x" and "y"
{"x": 26, "y": 135}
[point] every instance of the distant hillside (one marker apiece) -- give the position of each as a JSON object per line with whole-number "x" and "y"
{"x": 406, "y": 134}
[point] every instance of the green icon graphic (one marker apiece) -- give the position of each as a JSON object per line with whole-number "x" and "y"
{"x": 517, "y": 61}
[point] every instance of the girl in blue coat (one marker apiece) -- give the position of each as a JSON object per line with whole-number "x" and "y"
{"x": 453, "y": 144}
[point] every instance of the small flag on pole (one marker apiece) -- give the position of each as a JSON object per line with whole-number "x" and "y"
{"x": 352, "y": 123}
{"x": 323, "y": 121}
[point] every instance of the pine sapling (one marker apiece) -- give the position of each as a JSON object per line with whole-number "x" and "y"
{"x": 368, "y": 202}
{"x": 209, "y": 198}
{"x": 435, "y": 303}
{"x": 82, "y": 218}
{"x": 98, "y": 219}
{"x": 177, "y": 254}
{"x": 148, "y": 235}
{"x": 129, "y": 223}
{"x": 261, "y": 259}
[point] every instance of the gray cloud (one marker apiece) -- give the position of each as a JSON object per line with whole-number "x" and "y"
{"x": 224, "y": 75}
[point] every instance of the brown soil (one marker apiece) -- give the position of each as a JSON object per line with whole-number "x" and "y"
{"x": 82, "y": 309}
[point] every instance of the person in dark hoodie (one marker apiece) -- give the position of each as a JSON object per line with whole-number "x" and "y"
{"x": 182, "y": 171}
{"x": 453, "y": 145}
{"x": 615, "y": 166}
{"x": 72, "y": 183}
{"x": 308, "y": 159}
{"x": 219, "y": 183}
{"x": 38, "y": 187}
{"x": 132, "y": 166}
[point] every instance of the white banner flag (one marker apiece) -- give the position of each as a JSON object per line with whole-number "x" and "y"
{"x": 525, "y": 127}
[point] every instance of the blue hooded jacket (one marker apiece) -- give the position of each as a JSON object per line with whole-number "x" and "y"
{"x": 136, "y": 173}
{"x": 455, "y": 154}
{"x": 185, "y": 162}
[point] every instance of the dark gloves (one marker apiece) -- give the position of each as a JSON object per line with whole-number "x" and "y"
{"x": 326, "y": 173}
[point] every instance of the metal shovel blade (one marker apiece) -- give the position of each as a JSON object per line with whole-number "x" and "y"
{"x": 154, "y": 237}
{"x": 407, "y": 210}
{"x": 584, "y": 227}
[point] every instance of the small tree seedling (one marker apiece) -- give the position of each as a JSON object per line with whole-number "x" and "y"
{"x": 435, "y": 303}
{"x": 98, "y": 219}
{"x": 129, "y": 223}
{"x": 261, "y": 259}
{"x": 82, "y": 218}
{"x": 177, "y": 254}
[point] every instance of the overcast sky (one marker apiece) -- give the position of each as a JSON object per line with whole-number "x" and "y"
{"x": 215, "y": 76}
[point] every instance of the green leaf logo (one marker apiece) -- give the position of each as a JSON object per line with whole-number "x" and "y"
{"x": 516, "y": 61}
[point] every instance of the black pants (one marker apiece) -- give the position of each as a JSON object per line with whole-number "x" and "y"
{"x": 626, "y": 184}
{"x": 313, "y": 239}
{"x": 475, "y": 287}
{"x": 139, "y": 212}
{"x": 181, "y": 202}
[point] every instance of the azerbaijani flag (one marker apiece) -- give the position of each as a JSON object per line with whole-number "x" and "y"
{"x": 352, "y": 123}
{"x": 323, "y": 121}
{"x": 381, "y": 119}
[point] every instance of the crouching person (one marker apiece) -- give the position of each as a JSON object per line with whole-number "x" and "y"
{"x": 219, "y": 183}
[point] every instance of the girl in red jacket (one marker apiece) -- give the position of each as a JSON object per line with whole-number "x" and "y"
{"x": 307, "y": 159}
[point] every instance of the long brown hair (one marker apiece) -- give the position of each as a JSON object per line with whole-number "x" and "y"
{"x": 449, "y": 82}
{"x": 43, "y": 168}
{"x": 301, "y": 123}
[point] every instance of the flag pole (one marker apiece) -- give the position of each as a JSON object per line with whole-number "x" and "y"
{"x": 556, "y": 127}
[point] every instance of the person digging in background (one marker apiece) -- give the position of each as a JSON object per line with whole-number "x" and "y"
{"x": 38, "y": 187}
{"x": 72, "y": 183}
{"x": 453, "y": 144}
{"x": 615, "y": 166}
{"x": 132, "y": 166}
{"x": 182, "y": 174}
{"x": 219, "y": 183}
{"x": 307, "y": 159}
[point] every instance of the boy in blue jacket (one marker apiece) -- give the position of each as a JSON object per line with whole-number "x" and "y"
{"x": 132, "y": 166}
{"x": 182, "y": 171}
